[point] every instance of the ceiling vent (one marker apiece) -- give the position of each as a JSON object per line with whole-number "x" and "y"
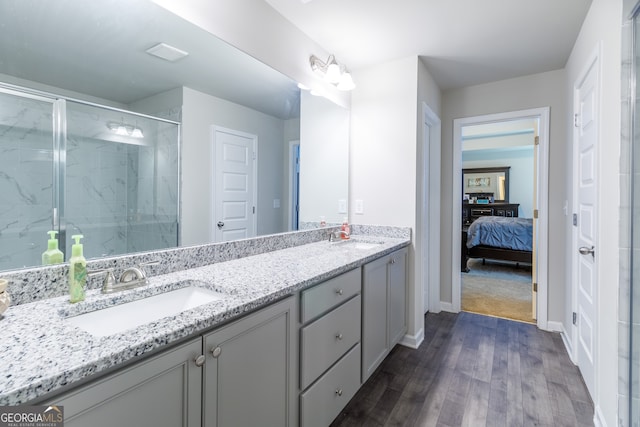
{"x": 167, "y": 52}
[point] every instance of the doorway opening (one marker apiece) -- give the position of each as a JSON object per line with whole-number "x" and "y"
{"x": 503, "y": 191}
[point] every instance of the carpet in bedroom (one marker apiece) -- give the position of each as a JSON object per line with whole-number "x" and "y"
{"x": 497, "y": 289}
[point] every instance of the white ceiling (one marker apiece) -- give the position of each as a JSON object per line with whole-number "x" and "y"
{"x": 462, "y": 42}
{"x": 98, "y": 48}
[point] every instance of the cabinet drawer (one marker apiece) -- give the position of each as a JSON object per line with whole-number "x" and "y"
{"x": 322, "y": 298}
{"x": 322, "y": 403}
{"x": 327, "y": 339}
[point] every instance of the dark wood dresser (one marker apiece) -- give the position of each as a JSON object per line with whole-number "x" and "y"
{"x": 473, "y": 211}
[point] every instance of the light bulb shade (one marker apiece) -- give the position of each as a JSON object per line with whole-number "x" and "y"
{"x": 333, "y": 73}
{"x": 346, "y": 82}
{"x": 125, "y": 130}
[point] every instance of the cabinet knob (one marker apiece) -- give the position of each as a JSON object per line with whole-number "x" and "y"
{"x": 339, "y": 337}
{"x": 216, "y": 352}
{"x": 339, "y": 291}
{"x": 200, "y": 360}
{"x": 339, "y": 391}
{"x": 393, "y": 261}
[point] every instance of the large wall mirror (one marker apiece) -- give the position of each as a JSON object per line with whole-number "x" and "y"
{"x": 218, "y": 105}
{"x": 486, "y": 183}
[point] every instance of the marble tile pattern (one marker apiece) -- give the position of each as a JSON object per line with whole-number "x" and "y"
{"x": 26, "y": 159}
{"x": 627, "y": 250}
{"x": 121, "y": 193}
{"x": 41, "y": 353}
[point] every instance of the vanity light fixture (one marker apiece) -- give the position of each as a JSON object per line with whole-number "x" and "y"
{"x": 332, "y": 72}
{"x": 123, "y": 129}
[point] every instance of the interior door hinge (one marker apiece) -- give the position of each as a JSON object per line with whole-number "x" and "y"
{"x": 536, "y": 140}
{"x": 535, "y": 287}
{"x": 575, "y": 120}
{"x": 575, "y": 318}
{"x": 575, "y": 219}
{"x": 254, "y": 209}
{"x": 535, "y": 213}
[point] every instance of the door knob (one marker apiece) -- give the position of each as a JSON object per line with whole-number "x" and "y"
{"x": 220, "y": 224}
{"x": 586, "y": 251}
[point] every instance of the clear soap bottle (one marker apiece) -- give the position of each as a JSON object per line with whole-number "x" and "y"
{"x": 77, "y": 271}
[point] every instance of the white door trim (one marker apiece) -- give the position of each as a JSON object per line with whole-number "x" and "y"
{"x": 254, "y": 138}
{"x": 290, "y": 168}
{"x": 543, "y": 196}
{"x": 428, "y": 243}
{"x": 592, "y": 61}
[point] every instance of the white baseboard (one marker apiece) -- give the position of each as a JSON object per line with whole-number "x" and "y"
{"x": 598, "y": 418}
{"x": 413, "y": 341}
{"x": 447, "y": 306}
{"x": 553, "y": 326}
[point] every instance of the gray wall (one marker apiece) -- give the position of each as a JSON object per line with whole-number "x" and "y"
{"x": 534, "y": 91}
{"x": 200, "y": 112}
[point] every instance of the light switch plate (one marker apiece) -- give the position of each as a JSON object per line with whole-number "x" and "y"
{"x": 342, "y": 206}
{"x": 276, "y": 203}
{"x": 359, "y": 206}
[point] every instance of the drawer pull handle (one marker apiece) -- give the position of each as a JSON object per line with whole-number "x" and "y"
{"x": 200, "y": 360}
{"x": 339, "y": 337}
{"x": 339, "y": 391}
{"x": 339, "y": 291}
{"x": 216, "y": 352}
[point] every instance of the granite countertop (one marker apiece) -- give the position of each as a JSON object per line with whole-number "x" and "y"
{"x": 42, "y": 353}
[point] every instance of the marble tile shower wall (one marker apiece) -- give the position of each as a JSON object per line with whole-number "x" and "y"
{"x": 155, "y": 217}
{"x": 47, "y": 282}
{"x": 625, "y": 323}
{"x": 121, "y": 197}
{"x": 26, "y": 154}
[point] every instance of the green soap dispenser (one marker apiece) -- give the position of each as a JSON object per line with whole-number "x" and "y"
{"x": 52, "y": 255}
{"x": 77, "y": 271}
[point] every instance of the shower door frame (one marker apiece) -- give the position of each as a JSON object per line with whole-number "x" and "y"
{"x": 59, "y": 146}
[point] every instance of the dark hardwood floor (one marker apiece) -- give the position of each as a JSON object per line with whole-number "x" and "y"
{"x": 474, "y": 370}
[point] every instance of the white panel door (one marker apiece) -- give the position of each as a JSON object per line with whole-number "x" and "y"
{"x": 234, "y": 185}
{"x": 587, "y": 141}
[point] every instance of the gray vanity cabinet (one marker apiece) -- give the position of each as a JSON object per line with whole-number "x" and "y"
{"x": 384, "y": 307}
{"x": 243, "y": 376}
{"x": 249, "y": 374}
{"x": 329, "y": 347}
{"x": 164, "y": 390}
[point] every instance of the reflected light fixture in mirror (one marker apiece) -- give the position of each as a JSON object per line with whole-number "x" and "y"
{"x": 125, "y": 130}
{"x": 332, "y": 72}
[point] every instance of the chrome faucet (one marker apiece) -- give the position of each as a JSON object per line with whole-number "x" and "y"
{"x": 131, "y": 278}
{"x": 336, "y": 235}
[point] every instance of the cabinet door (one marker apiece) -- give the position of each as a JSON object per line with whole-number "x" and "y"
{"x": 164, "y": 390}
{"x": 249, "y": 371}
{"x": 397, "y": 277}
{"x": 374, "y": 316}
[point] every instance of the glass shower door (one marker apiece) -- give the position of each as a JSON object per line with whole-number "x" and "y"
{"x": 121, "y": 181}
{"x": 27, "y": 188}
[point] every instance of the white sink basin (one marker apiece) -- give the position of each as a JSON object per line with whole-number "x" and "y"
{"x": 356, "y": 244}
{"x": 363, "y": 246}
{"x": 119, "y": 318}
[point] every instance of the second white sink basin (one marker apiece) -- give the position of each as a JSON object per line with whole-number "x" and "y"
{"x": 119, "y": 318}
